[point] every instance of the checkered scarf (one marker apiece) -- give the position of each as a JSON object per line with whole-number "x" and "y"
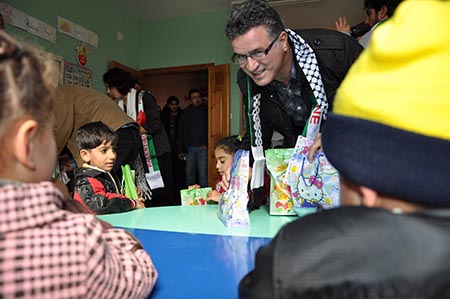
{"x": 307, "y": 61}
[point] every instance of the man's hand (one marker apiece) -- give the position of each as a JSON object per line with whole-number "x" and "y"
{"x": 315, "y": 147}
{"x": 342, "y": 26}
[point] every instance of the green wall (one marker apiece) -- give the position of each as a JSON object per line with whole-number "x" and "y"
{"x": 196, "y": 39}
{"x": 190, "y": 40}
{"x": 105, "y": 22}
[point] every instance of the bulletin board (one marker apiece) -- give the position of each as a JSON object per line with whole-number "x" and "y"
{"x": 77, "y": 75}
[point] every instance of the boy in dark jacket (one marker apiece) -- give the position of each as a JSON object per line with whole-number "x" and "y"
{"x": 95, "y": 186}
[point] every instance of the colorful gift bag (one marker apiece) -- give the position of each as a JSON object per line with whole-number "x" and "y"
{"x": 311, "y": 183}
{"x": 194, "y": 196}
{"x": 233, "y": 203}
{"x": 277, "y": 161}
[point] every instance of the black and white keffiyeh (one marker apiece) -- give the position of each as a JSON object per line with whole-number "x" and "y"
{"x": 307, "y": 61}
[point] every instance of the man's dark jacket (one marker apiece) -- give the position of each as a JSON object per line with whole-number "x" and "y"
{"x": 335, "y": 53}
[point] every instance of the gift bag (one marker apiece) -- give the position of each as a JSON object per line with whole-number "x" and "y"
{"x": 194, "y": 196}
{"x": 128, "y": 185}
{"x": 277, "y": 161}
{"x": 233, "y": 203}
{"x": 312, "y": 184}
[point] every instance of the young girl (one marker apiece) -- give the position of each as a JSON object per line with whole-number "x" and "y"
{"x": 224, "y": 151}
{"x": 46, "y": 250}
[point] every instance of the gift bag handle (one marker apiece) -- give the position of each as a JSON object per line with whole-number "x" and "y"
{"x": 317, "y": 170}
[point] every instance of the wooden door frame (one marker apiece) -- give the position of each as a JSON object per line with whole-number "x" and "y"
{"x": 177, "y": 69}
{"x": 209, "y": 67}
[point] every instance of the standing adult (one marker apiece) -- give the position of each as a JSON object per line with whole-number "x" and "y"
{"x": 194, "y": 136}
{"x": 141, "y": 106}
{"x": 171, "y": 119}
{"x": 283, "y": 75}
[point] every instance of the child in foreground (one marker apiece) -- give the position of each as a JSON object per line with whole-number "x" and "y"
{"x": 49, "y": 248}
{"x": 95, "y": 186}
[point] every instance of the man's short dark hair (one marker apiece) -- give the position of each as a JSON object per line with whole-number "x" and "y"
{"x": 391, "y": 5}
{"x": 172, "y": 99}
{"x": 250, "y": 14}
{"x": 93, "y": 134}
{"x": 120, "y": 79}
{"x": 193, "y": 90}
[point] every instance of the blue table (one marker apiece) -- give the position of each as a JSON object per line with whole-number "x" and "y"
{"x": 196, "y": 255}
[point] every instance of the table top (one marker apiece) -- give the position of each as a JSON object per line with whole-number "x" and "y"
{"x": 195, "y": 254}
{"x": 198, "y": 220}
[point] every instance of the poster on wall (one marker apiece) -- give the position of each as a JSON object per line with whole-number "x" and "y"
{"x": 77, "y": 75}
{"x": 77, "y": 32}
{"x": 28, "y": 23}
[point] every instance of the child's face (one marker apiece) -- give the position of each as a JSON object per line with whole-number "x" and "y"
{"x": 224, "y": 161}
{"x": 103, "y": 156}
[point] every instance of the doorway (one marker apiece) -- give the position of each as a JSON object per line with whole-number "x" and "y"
{"x": 214, "y": 83}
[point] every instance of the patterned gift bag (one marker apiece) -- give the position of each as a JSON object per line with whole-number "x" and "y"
{"x": 312, "y": 184}
{"x": 277, "y": 161}
{"x": 194, "y": 196}
{"x": 233, "y": 203}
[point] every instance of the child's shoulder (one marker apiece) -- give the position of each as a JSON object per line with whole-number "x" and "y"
{"x": 83, "y": 171}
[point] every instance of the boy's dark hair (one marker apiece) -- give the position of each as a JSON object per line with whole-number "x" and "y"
{"x": 230, "y": 144}
{"x": 192, "y": 91}
{"x": 93, "y": 134}
{"x": 174, "y": 99}
{"x": 391, "y": 5}
{"x": 250, "y": 14}
{"x": 119, "y": 79}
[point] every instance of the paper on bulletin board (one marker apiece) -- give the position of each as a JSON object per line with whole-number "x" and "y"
{"x": 28, "y": 23}
{"x": 77, "y": 75}
{"x": 78, "y": 32}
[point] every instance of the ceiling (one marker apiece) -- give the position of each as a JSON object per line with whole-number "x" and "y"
{"x": 321, "y": 13}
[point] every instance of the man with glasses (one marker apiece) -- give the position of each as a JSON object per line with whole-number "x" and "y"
{"x": 284, "y": 76}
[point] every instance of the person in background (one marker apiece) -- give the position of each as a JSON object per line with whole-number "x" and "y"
{"x": 49, "y": 246}
{"x": 137, "y": 84}
{"x": 194, "y": 137}
{"x": 391, "y": 237}
{"x": 284, "y": 76}
{"x": 171, "y": 119}
{"x": 120, "y": 85}
{"x": 95, "y": 186}
{"x": 377, "y": 11}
